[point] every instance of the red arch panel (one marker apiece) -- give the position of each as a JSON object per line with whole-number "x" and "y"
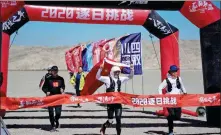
{"x": 86, "y": 15}
{"x": 200, "y": 13}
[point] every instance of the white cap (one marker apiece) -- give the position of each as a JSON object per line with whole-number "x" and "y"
{"x": 115, "y": 68}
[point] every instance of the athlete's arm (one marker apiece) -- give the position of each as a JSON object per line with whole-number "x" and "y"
{"x": 162, "y": 86}
{"x": 45, "y": 86}
{"x": 128, "y": 77}
{"x": 72, "y": 80}
{"x": 62, "y": 85}
{"x": 103, "y": 79}
{"x": 42, "y": 81}
{"x": 182, "y": 86}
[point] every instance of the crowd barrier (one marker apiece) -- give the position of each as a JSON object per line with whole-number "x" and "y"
{"x": 188, "y": 100}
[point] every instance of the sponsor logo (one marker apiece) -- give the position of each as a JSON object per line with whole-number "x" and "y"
{"x": 6, "y": 4}
{"x": 31, "y": 103}
{"x": 105, "y": 99}
{"x": 207, "y": 99}
{"x": 159, "y": 25}
{"x": 15, "y": 19}
{"x": 140, "y": 2}
{"x": 201, "y": 6}
{"x": 78, "y": 100}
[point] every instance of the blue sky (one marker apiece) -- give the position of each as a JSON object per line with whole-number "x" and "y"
{"x": 58, "y": 34}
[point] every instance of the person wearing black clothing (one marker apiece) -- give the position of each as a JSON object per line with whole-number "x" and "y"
{"x": 113, "y": 83}
{"x": 54, "y": 85}
{"x": 48, "y": 74}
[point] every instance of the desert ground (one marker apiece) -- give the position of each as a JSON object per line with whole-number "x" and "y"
{"x": 88, "y": 119}
{"x": 24, "y": 79}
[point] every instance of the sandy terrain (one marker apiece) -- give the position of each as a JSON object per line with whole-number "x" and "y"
{"x": 88, "y": 119}
{"x": 35, "y": 58}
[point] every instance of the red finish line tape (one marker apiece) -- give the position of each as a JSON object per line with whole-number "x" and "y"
{"x": 189, "y": 100}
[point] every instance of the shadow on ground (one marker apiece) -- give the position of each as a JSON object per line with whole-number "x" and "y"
{"x": 196, "y": 122}
{"x": 128, "y": 125}
{"x": 156, "y": 132}
{"x": 165, "y": 133}
{"x": 93, "y": 134}
{"x": 192, "y": 121}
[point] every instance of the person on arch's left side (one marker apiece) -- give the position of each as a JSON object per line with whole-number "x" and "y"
{"x": 48, "y": 74}
{"x": 54, "y": 85}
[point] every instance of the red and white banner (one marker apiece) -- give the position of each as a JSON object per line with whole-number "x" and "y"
{"x": 188, "y": 100}
{"x": 98, "y": 53}
{"x": 69, "y": 62}
{"x": 73, "y": 58}
{"x": 86, "y": 15}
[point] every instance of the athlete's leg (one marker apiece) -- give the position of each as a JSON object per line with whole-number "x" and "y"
{"x": 170, "y": 119}
{"x": 57, "y": 115}
{"x": 110, "y": 113}
{"x": 51, "y": 115}
{"x": 78, "y": 93}
{"x": 118, "y": 114}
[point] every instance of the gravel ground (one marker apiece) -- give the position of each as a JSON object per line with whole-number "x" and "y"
{"x": 88, "y": 119}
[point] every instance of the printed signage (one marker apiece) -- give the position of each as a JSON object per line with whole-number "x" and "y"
{"x": 131, "y": 52}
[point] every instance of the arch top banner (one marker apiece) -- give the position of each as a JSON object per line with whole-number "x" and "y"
{"x": 86, "y": 15}
{"x": 126, "y": 4}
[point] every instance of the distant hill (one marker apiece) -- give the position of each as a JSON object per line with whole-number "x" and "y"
{"x": 39, "y": 57}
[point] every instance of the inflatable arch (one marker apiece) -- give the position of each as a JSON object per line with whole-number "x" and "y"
{"x": 202, "y": 14}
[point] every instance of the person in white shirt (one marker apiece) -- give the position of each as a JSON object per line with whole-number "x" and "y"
{"x": 113, "y": 84}
{"x": 174, "y": 85}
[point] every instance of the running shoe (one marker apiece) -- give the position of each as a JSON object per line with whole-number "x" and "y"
{"x": 103, "y": 128}
{"x": 53, "y": 129}
{"x": 171, "y": 133}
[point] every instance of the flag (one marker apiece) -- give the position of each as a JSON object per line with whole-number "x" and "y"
{"x": 84, "y": 59}
{"x": 131, "y": 52}
{"x": 69, "y": 62}
{"x": 87, "y": 58}
{"x": 110, "y": 48}
{"x": 92, "y": 83}
{"x": 98, "y": 51}
{"x": 77, "y": 57}
{"x": 97, "y": 47}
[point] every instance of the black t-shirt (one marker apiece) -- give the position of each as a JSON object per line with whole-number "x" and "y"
{"x": 54, "y": 85}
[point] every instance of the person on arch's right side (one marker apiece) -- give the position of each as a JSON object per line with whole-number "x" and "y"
{"x": 174, "y": 85}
